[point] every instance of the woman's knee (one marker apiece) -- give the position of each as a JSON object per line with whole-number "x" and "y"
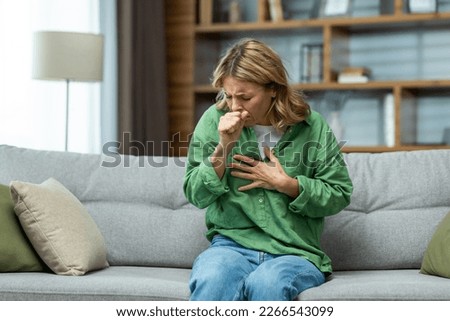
{"x": 282, "y": 278}
{"x": 262, "y": 285}
{"x": 218, "y": 274}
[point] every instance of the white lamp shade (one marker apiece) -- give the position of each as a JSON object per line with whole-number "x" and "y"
{"x": 67, "y": 55}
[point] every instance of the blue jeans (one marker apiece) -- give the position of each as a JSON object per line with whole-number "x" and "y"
{"x": 227, "y": 271}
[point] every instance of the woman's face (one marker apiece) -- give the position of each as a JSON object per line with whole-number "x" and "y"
{"x": 255, "y": 99}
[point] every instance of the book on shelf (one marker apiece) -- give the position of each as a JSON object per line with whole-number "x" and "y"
{"x": 348, "y": 79}
{"x": 356, "y": 70}
{"x": 336, "y": 7}
{"x": 389, "y": 120}
{"x": 276, "y": 10}
{"x": 311, "y": 63}
{"x": 235, "y": 13}
{"x": 354, "y": 75}
{"x": 422, "y": 6}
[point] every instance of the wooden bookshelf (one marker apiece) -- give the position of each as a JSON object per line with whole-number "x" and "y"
{"x": 204, "y": 33}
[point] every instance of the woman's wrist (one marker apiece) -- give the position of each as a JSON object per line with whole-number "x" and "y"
{"x": 289, "y": 186}
{"x": 218, "y": 160}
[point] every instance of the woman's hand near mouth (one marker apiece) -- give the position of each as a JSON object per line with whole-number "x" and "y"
{"x": 230, "y": 128}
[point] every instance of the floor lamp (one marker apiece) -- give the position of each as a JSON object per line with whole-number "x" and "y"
{"x": 68, "y": 56}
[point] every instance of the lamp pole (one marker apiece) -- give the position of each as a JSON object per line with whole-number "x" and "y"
{"x": 67, "y": 115}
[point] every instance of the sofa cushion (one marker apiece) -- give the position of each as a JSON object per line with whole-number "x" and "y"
{"x": 16, "y": 252}
{"x": 436, "y": 260}
{"x": 398, "y": 200}
{"x": 393, "y": 285}
{"x": 122, "y": 283}
{"x": 59, "y": 227}
{"x": 142, "y": 193}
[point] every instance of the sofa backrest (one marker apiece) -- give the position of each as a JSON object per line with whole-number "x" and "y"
{"x": 139, "y": 205}
{"x": 137, "y": 202}
{"x": 398, "y": 200}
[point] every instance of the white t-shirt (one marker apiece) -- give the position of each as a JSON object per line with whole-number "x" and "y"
{"x": 266, "y": 136}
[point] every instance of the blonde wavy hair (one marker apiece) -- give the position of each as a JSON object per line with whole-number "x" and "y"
{"x": 253, "y": 61}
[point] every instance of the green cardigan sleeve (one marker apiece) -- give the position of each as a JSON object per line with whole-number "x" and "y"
{"x": 201, "y": 184}
{"x": 327, "y": 187}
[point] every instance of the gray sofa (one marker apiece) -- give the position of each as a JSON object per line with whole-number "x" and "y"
{"x": 153, "y": 235}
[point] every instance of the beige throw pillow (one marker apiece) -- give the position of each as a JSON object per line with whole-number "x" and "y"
{"x": 59, "y": 227}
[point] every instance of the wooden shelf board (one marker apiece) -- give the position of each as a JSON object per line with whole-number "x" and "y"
{"x": 383, "y": 20}
{"x": 248, "y": 26}
{"x": 374, "y": 85}
{"x": 387, "y": 20}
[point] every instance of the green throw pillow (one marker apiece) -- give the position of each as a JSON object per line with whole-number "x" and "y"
{"x": 436, "y": 260}
{"x": 16, "y": 252}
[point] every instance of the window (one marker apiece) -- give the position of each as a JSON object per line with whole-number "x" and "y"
{"x": 32, "y": 112}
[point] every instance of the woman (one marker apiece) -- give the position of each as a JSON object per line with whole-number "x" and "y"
{"x": 269, "y": 170}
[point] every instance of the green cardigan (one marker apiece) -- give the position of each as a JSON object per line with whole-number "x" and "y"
{"x": 267, "y": 220}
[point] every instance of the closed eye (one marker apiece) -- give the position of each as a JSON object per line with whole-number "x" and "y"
{"x": 240, "y": 97}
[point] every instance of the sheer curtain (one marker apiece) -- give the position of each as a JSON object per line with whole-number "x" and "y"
{"x": 32, "y": 112}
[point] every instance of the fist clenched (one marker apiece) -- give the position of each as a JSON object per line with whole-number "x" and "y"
{"x": 230, "y": 127}
{"x": 232, "y": 123}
